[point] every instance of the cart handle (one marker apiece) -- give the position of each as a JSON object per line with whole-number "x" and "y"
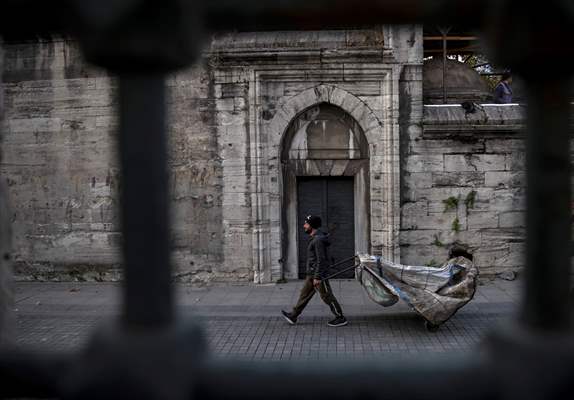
{"x": 341, "y": 271}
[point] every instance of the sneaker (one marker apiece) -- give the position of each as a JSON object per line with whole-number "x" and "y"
{"x": 339, "y": 321}
{"x": 289, "y": 317}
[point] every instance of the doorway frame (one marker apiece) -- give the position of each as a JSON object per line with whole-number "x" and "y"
{"x": 272, "y": 226}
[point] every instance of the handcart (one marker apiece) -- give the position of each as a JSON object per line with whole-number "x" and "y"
{"x": 435, "y": 293}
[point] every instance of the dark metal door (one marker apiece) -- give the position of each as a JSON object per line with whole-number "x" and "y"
{"x": 333, "y": 200}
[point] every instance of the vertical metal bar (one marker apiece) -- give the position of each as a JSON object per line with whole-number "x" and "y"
{"x": 444, "y": 32}
{"x": 546, "y": 305}
{"x": 444, "y": 67}
{"x": 6, "y": 291}
{"x": 148, "y": 296}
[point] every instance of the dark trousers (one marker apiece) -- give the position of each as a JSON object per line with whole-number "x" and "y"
{"x": 324, "y": 289}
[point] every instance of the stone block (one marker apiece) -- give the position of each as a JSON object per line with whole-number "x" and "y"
{"x": 425, "y": 163}
{"x": 511, "y": 199}
{"x": 516, "y": 162}
{"x": 420, "y": 237}
{"x": 33, "y": 125}
{"x": 505, "y": 179}
{"x": 488, "y": 256}
{"x": 423, "y": 255}
{"x": 432, "y": 221}
{"x": 482, "y": 219}
{"x": 438, "y": 194}
{"x": 515, "y": 257}
{"x": 512, "y": 219}
{"x": 444, "y": 146}
{"x": 227, "y": 104}
{"x": 494, "y": 238}
{"x": 505, "y": 145}
{"x": 501, "y": 200}
{"x": 474, "y": 162}
{"x": 418, "y": 180}
{"x": 458, "y": 179}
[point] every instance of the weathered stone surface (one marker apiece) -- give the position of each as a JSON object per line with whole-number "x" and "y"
{"x": 482, "y": 219}
{"x": 425, "y": 163}
{"x": 507, "y": 275}
{"x": 433, "y": 221}
{"x": 460, "y": 179}
{"x": 227, "y": 118}
{"x": 423, "y": 255}
{"x": 483, "y": 156}
{"x": 446, "y": 146}
{"x": 475, "y": 162}
{"x": 493, "y": 238}
{"x": 505, "y": 179}
{"x": 505, "y": 145}
{"x": 452, "y": 118}
{"x": 512, "y": 219}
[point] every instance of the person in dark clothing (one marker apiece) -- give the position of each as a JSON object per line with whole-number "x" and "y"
{"x": 503, "y": 91}
{"x": 317, "y": 268}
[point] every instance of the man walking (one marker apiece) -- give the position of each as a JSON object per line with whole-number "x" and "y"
{"x": 503, "y": 91}
{"x": 317, "y": 268}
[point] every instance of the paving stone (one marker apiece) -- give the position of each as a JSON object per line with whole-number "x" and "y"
{"x": 61, "y": 316}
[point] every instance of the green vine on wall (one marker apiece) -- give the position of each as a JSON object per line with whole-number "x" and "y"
{"x": 437, "y": 242}
{"x": 451, "y": 203}
{"x": 470, "y": 199}
{"x": 456, "y": 225}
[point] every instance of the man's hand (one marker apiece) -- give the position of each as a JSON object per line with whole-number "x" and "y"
{"x": 316, "y": 282}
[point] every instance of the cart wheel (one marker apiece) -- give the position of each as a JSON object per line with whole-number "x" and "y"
{"x": 431, "y": 327}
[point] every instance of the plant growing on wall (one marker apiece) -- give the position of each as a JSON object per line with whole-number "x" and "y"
{"x": 451, "y": 203}
{"x": 456, "y": 225}
{"x": 437, "y": 242}
{"x": 469, "y": 200}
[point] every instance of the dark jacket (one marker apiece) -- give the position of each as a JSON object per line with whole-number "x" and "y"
{"x": 318, "y": 255}
{"x": 503, "y": 93}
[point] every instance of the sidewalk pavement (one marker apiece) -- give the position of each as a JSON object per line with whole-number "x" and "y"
{"x": 244, "y": 321}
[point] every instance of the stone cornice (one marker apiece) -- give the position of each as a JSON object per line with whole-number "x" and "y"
{"x": 301, "y": 46}
{"x": 453, "y": 118}
{"x": 304, "y": 55}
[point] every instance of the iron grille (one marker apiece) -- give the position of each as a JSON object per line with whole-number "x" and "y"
{"x": 534, "y": 359}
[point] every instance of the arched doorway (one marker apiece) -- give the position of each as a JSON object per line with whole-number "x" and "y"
{"x": 325, "y": 159}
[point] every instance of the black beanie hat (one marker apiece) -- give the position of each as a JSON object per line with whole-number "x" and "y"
{"x": 314, "y": 221}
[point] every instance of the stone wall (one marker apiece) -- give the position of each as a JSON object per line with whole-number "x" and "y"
{"x": 226, "y": 121}
{"x": 60, "y": 164}
{"x": 281, "y": 75}
{"x": 436, "y": 175}
{"x": 464, "y": 183}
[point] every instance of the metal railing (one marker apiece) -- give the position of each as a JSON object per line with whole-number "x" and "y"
{"x": 149, "y": 353}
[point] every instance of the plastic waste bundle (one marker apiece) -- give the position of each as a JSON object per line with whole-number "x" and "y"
{"x": 435, "y": 293}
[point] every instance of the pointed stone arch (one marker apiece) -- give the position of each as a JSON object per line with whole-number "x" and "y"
{"x": 272, "y": 210}
{"x": 329, "y": 94}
